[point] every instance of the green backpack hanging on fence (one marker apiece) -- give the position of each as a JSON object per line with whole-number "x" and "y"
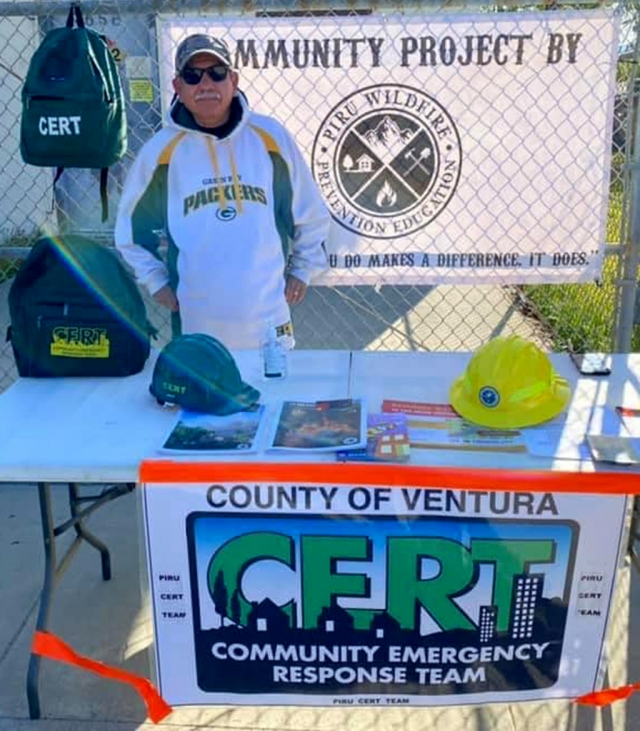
{"x": 73, "y": 109}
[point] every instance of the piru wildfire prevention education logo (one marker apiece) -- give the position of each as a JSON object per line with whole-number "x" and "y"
{"x": 387, "y": 159}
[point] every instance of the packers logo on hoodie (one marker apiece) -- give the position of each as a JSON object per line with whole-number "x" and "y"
{"x": 220, "y": 195}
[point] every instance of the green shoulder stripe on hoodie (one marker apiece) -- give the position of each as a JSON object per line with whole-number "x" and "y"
{"x": 282, "y": 190}
{"x": 150, "y": 212}
{"x": 150, "y": 216}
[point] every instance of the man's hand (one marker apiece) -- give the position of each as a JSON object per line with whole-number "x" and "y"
{"x": 166, "y": 297}
{"x": 295, "y": 290}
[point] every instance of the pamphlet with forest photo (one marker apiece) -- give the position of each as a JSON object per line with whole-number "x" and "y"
{"x": 320, "y": 425}
{"x": 198, "y": 433}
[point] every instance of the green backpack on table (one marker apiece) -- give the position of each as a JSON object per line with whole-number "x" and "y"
{"x": 73, "y": 109}
{"x": 76, "y": 311}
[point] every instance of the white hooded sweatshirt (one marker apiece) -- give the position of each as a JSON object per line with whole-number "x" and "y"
{"x": 236, "y": 213}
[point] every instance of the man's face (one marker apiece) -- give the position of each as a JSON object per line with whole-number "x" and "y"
{"x": 209, "y": 100}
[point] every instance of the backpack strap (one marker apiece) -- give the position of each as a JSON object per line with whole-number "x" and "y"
{"x": 104, "y": 197}
{"x": 56, "y": 177}
{"x": 75, "y": 8}
{"x": 106, "y": 82}
{"x": 104, "y": 200}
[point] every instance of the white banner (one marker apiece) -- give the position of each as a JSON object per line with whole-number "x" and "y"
{"x": 267, "y": 593}
{"x": 449, "y": 149}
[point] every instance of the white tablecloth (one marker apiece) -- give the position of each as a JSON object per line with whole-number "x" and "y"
{"x": 99, "y": 430}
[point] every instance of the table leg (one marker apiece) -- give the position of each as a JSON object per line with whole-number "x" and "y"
{"x": 33, "y": 674}
{"x": 634, "y": 536}
{"x": 53, "y": 569}
{"x": 83, "y": 533}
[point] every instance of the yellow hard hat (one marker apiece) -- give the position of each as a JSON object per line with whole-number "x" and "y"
{"x": 509, "y": 383}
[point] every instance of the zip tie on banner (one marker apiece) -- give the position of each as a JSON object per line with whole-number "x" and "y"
{"x": 53, "y": 648}
{"x": 608, "y": 696}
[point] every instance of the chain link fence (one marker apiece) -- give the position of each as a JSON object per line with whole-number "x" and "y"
{"x": 369, "y": 316}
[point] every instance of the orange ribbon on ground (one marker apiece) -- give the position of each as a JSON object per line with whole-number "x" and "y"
{"x": 610, "y": 695}
{"x": 53, "y": 648}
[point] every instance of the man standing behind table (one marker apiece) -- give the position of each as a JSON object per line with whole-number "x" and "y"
{"x": 244, "y": 219}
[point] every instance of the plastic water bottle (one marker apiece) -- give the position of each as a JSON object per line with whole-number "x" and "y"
{"x": 274, "y": 355}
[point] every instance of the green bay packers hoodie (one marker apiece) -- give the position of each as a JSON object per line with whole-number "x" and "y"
{"x": 236, "y": 213}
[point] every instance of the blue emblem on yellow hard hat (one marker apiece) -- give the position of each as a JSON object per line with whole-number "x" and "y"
{"x": 489, "y": 397}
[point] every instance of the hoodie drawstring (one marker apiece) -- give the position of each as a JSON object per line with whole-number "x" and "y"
{"x": 236, "y": 179}
{"x": 234, "y": 174}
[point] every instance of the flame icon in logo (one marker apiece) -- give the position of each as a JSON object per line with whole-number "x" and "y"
{"x": 386, "y": 196}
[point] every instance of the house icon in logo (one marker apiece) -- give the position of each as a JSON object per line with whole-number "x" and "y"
{"x": 364, "y": 164}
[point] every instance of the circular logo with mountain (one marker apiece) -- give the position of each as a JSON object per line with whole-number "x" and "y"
{"x": 387, "y": 159}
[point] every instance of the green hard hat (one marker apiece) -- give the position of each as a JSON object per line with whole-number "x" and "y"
{"x": 198, "y": 373}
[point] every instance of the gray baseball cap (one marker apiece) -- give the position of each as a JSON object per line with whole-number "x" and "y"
{"x": 201, "y": 43}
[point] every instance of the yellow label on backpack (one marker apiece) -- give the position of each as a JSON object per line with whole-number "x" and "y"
{"x": 80, "y": 342}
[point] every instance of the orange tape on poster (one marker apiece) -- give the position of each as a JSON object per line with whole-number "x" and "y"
{"x": 54, "y": 648}
{"x": 608, "y": 696}
{"x": 601, "y": 483}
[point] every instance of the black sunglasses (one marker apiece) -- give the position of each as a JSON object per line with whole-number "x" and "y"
{"x": 193, "y": 76}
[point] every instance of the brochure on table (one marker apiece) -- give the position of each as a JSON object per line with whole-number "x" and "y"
{"x": 387, "y": 441}
{"x": 197, "y": 433}
{"x": 292, "y": 426}
{"x": 345, "y": 426}
{"x": 319, "y": 426}
{"x": 438, "y": 426}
